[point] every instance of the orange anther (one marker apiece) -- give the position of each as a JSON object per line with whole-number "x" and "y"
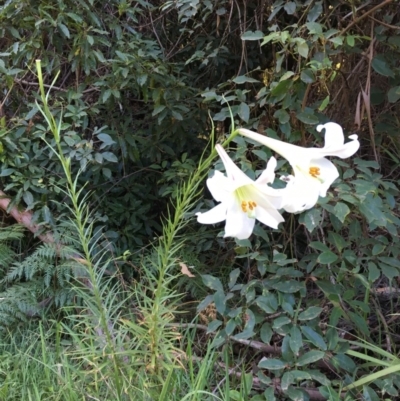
{"x": 314, "y": 171}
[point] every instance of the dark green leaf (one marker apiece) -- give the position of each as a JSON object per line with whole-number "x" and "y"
{"x": 332, "y": 338}
{"x": 310, "y": 357}
{"x": 341, "y": 210}
{"x": 212, "y": 282}
{"x": 394, "y": 94}
{"x": 6, "y": 172}
{"x": 220, "y": 302}
{"x": 289, "y": 286}
{"x": 307, "y": 117}
{"x": 303, "y": 49}
{"x": 296, "y": 340}
{"x": 290, "y": 7}
{"x": 327, "y": 257}
{"x": 248, "y": 328}
{"x": 373, "y": 272}
{"x": 244, "y": 112}
{"x": 389, "y": 271}
{"x": 314, "y": 337}
{"x": 344, "y": 362}
{"x": 233, "y": 276}
{"x": 310, "y": 313}
{"x": 307, "y": 76}
{"x": 266, "y": 333}
{"x": 311, "y": 219}
{"x": 282, "y": 87}
{"x": 110, "y": 157}
{"x": 381, "y": 67}
{"x": 64, "y": 30}
{"x": 282, "y": 115}
{"x": 213, "y": 326}
{"x": 280, "y": 321}
{"x": 271, "y": 364}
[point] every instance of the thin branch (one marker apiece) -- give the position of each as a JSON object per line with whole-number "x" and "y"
{"x": 366, "y": 14}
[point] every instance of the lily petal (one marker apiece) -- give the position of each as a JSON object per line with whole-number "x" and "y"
{"x": 242, "y": 199}
{"x": 233, "y": 172}
{"x": 267, "y": 213}
{"x": 238, "y": 224}
{"x": 300, "y": 195}
{"x": 334, "y": 141}
{"x": 313, "y": 173}
{"x": 220, "y": 186}
{"x": 214, "y": 215}
{"x": 328, "y": 171}
{"x": 268, "y": 175}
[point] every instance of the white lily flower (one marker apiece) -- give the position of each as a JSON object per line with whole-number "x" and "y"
{"x": 243, "y": 201}
{"x": 313, "y": 174}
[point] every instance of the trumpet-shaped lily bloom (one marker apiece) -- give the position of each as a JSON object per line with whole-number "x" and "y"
{"x": 313, "y": 174}
{"x": 243, "y": 201}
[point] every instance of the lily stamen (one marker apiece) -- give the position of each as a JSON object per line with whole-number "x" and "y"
{"x": 251, "y": 205}
{"x": 314, "y": 171}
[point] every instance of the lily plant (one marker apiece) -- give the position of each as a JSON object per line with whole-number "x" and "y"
{"x": 313, "y": 173}
{"x": 242, "y": 200}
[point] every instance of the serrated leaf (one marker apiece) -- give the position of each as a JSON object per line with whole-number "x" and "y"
{"x": 290, "y": 7}
{"x": 244, "y": 112}
{"x": 311, "y": 219}
{"x": 341, "y": 210}
{"x": 303, "y": 49}
{"x": 382, "y": 67}
{"x": 266, "y": 333}
{"x": 327, "y": 257}
{"x": 344, "y": 362}
{"x": 212, "y": 282}
{"x": 314, "y": 337}
{"x": 220, "y": 302}
{"x": 271, "y": 364}
{"x": 307, "y": 76}
{"x": 377, "y": 249}
{"x": 110, "y": 157}
{"x": 289, "y": 286}
{"x": 307, "y": 117}
{"x": 27, "y": 197}
{"x": 296, "y": 340}
{"x": 158, "y": 109}
{"x": 310, "y": 357}
{"x": 286, "y": 75}
{"x": 248, "y": 328}
{"x": 233, "y": 276}
{"x": 280, "y": 321}
{"x": 6, "y": 172}
{"x": 389, "y": 271}
{"x": 282, "y": 115}
{"x": 373, "y": 272}
{"x": 310, "y": 313}
{"x": 106, "y": 139}
{"x": 213, "y": 326}
{"x": 64, "y": 30}
{"x": 204, "y": 303}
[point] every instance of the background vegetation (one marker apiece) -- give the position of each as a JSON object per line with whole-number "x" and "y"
{"x": 103, "y": 161}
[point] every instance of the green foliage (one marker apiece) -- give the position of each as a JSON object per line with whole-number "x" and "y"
{"x": 136, "y": 81}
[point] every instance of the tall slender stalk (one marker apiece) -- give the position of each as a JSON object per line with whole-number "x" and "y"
{"x": 83, "y": 224}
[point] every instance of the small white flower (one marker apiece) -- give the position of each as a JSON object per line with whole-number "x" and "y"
{"x": 313, "y": 174}
{"x": 242, "y": 199}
